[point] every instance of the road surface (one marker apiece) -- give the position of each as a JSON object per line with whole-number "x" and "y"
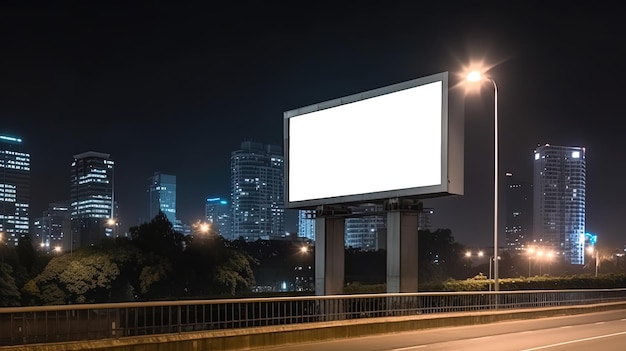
{"x": 602, "y": 331}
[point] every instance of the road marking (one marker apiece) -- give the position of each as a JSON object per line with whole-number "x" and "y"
{"x": 409, "y": 348}
{"x": 573, "y": 341}
{"x": 480, "y": 338}
{"x": 565, "y": 327}
{"x": 599, "y": 323}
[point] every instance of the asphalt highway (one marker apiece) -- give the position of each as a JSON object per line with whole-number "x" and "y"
{"x": 602, "y": 331}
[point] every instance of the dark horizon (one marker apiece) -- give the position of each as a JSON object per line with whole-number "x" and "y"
{"x": 176, "y": 87}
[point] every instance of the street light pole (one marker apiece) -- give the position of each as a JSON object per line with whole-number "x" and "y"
{"x": 475, "y": 76}
{"x": 496, "y": 286}
{"x": 490, "y": 259}
{"x": 595, "y": 252}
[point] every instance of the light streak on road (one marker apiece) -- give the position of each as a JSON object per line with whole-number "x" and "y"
{"x": 573, "y": 341}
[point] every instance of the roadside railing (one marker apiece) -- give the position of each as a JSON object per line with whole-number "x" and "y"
{"x": 46, "y": 324}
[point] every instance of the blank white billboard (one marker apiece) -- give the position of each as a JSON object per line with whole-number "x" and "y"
{"x": 388, "y": 142}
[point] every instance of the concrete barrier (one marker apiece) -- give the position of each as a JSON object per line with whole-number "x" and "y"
{"x": 260, "y": 337}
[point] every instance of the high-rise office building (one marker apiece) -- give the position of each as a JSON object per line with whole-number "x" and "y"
{"x": 162, "y": 196}
{"x": 14, "y": 190}
{"x": 257, "y": 191}
{"x": 424, "y": 218}
{"x": 559, "y": 200}
{"x": 306, "y": 224}
{"x": 218, "y": 213}
{"x": 91, "y": 199}
{"x": 366, "y": 228}
{"x": 363, "y": 232}
{"x": 518, "y": 209}
{"x": 51, "y": 232}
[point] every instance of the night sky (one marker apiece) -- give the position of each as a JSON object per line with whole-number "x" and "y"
{"x": 176, "y": 86}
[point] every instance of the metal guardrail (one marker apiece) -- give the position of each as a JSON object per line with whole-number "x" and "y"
{"x": 47, "y": 324}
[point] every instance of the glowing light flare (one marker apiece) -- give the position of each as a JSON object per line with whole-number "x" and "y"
{"x": 474, "y": 76}
{"x": 204, "y": 227}
{"x": 473, "y": 73}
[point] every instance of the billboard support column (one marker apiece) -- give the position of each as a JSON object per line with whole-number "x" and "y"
{"x": 402, "y": 251}
{"x": 329, "y": 255}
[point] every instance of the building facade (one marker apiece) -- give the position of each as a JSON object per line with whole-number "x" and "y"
{"x": 559, "y": 200}
{"x": 518, "y": 213}
{"x": 91, "y": 199}
{"x": 162, "y": 196}
{"x": 257, "y": 191}
{"x": 362, "y": 231}
{"x": 218, "y": 213}
{"x": 14, "y": 190}
{"x": 306, "y": 224}
{"x": 51, "y": 232}
{"x": 424, "y": 218}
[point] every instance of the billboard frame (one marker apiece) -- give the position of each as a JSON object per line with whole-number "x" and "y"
{"x": 451, "y": 159}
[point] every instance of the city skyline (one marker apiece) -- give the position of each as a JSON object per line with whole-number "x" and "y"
{"x": 175, "y": 88}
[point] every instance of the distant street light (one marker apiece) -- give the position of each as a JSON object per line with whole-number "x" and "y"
{"x": 476, "y": 76}
{"x": 594, "y": 254}
{"x": 468, "y": 255}
{"x": 201, "y": 228}
{"x": 540, "y": 255}
{"x": 531, "y": 251}
{"x": 113, "y": 224}
{"x": 204, "y": 228}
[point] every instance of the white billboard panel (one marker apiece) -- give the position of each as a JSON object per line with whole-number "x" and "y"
{"x": 388, "y": 142}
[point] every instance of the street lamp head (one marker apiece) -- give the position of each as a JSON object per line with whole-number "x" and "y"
{"x": 474, "y": 76}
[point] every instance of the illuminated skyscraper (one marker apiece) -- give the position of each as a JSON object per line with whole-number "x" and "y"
{"x": 52, "y": 231}
{"x": 218, "y": 213}
{"x": 14, "y": 190}
{"x": 257, "y": 184}
{"x": 162, "y": 196}
{"x": 91, "y": 198}
{"x": 518, "y": 209}
{"x": 559, "y": 200}
{"x": 306, "y": 224}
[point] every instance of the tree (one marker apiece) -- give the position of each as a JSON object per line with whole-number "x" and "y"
{"x": 234, "y": 273}
{"x": 158, "y": 236}
{"x": 25, "y": 251}
{"x": 439, "y": 256}
{"x": 213, "y": 267}
{"x": 9, "y": 293}
{"x": 84, "y": 276}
